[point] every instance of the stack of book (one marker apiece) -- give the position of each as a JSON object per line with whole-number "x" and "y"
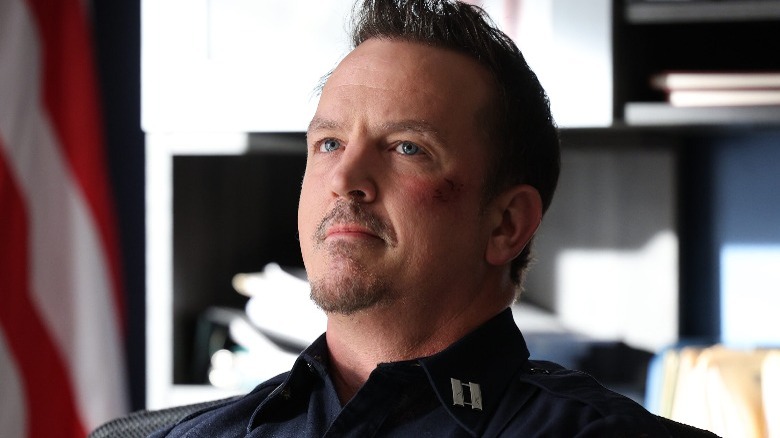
{"x": 732, "y": 392}
{"x": 713, "y": 89}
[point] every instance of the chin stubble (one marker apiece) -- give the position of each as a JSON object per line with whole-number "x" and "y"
{"x": 349, "y": 286}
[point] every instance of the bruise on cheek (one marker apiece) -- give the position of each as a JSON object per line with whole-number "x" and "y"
{"x": 447, "y": 191}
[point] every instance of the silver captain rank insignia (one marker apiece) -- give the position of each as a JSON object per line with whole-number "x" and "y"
{"x": 459, "y": 395}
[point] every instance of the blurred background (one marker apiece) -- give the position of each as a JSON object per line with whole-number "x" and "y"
{"x": 657, "y": 267}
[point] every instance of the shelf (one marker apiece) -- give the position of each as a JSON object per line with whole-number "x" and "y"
{"x": 650, "y": 12}
{"x": 663, "y": 114}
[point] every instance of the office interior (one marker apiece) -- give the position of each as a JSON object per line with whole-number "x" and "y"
{"x": 663, "y": 239}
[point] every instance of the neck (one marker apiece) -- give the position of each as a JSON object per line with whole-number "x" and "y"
{"x": 401, "y": 331}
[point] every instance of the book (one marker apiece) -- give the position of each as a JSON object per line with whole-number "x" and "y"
{"x": 739, "y": 97}
{"x": 733, "y": 386}
{"x": 770, "y": 391}
{"x": 678, "y": 80}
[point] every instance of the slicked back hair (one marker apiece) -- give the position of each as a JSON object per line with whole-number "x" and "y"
{"x": 519, "y": 124}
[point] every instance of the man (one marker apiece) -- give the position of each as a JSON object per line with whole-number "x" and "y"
{"x": 432, "y": 157}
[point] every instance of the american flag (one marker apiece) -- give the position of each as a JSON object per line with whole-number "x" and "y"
{"x": 61, "y": 317}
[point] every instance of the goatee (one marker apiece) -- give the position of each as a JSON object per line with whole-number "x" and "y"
{"x": 349, "y": 286}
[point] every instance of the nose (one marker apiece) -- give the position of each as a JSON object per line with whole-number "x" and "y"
{"x": 354, "y": 176}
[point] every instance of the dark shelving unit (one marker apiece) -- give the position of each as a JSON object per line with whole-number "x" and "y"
{"x": 694, "y": 36}
{"x": 682, "y": 11}
{"x": 656, "y": 36}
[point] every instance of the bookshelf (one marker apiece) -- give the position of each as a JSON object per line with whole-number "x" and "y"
{"x": 712, "y": 143}
{"x": 222, "y": 203}
{"x": 653, "y": 37}
{"x": 659, "y": 113}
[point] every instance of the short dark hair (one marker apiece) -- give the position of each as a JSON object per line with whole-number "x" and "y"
{"x": 520, "y": 123}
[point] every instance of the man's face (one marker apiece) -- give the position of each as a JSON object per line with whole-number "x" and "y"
{"x": 390, "y": 206}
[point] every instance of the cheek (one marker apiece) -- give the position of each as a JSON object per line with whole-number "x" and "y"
{"x": 433, "y": 193}
{"x": 448, "y": 190}
{"x": 310, "y": 208}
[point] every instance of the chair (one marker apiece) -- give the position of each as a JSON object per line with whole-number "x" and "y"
{"x": 140, "y": 424}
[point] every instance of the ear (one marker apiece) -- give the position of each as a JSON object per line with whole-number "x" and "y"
{"x": 514, "y": 217}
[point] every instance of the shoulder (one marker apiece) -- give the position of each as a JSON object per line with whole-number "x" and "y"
{"x": 554, "y": 401}
{"x": 561, "y": 385}
{"x": 231, "y": 414}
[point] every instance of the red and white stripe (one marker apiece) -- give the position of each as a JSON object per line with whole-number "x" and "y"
{"x": 61, "y": 321}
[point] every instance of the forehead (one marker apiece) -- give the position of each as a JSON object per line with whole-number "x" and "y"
{"x": 388, "y": 79}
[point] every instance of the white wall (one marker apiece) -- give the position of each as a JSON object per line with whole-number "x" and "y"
{"x": 237, "y": 65}
{"x": 251, "y": 65}
{"x": 607, "y": 250}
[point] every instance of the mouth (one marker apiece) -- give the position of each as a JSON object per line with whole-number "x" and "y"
{"x": 353, "y": 222}
{"x": 350, "y": 231}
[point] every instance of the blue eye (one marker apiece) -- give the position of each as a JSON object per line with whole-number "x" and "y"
{"x": 329, "y": 145}
{"x": 407, "y": 148}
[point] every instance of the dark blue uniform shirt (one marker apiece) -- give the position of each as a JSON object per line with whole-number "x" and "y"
{"x": 482, "y": 385}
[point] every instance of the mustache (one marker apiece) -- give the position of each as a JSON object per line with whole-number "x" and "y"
{"x": 354, "y": 213}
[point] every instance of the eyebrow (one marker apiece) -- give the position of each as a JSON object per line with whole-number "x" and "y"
{"x": 418, "y": 126}
{"x": 318, "y": 123}
{"x": 410, "y": 125}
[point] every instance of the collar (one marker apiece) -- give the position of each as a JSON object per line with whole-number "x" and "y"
{"x": 488, "y": 357}
{"x": 485, "y": 359}
{"x": 310, "y": 366}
